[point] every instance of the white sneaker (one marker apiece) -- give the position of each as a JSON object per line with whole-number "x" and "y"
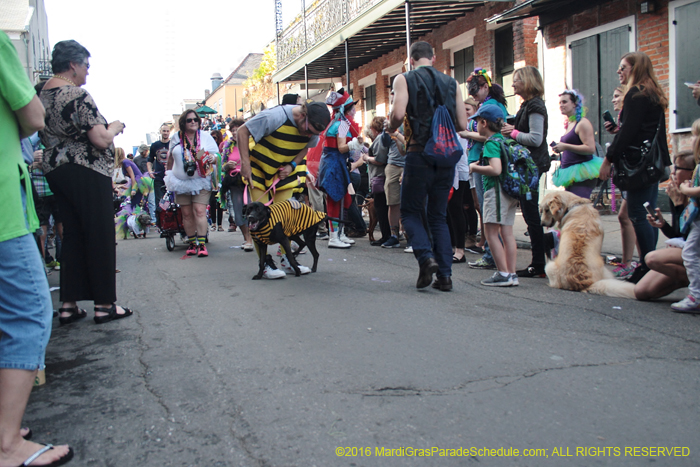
{"x": 408, "y": 249}
{"x": 514, "y": 278}
{"x": 345, "y": 239}
{"x": 290, "y": 270}
{"x": 334, "y": 242}
{"x": 270, "y": 273}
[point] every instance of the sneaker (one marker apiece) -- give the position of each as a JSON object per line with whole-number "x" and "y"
{"x": 476, "y": 249}
{"x": 345, "y": 239}
{"x": 514, "y": 278}
{"x": 688, "y": 305}
{"x": 532, "y": 271}
{"x": 269, "y": 273}
{"x": 248, "y": 246}
{"x": 290, "y": 270}
{"x": 481, "y": 263}
{"x": 54, "y": 265}
{"x": 498, "y": 280}
{"x": 408, "y": 249}
{"x": 322, "y": 236}
{"x": 202, "y": 251}
{"x": 336, "y": 243}
{"x": 302, "y": 251}
{"x": 623, "y": 271}
{"x": 192, "y": 249}
{"x": 393, "y": 242}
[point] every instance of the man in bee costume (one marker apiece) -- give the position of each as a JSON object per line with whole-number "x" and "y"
{"x": 273, "y": 163}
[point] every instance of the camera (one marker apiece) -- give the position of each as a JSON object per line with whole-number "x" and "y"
{"x": 190, "y": 167}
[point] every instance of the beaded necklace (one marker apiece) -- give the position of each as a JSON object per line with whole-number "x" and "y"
{"x": 187, "y": 145}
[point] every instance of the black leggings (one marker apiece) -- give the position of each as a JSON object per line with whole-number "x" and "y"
{"x": 88, "y": 256}
{"x": 382, "y": 212}
{"x": 215, "y": 211}
{"x": 455, "y": 214}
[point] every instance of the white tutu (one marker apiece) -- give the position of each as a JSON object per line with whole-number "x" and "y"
{"x": 191, "y": 186}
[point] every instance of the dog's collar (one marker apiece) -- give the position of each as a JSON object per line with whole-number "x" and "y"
{"x": 568, "y": 210}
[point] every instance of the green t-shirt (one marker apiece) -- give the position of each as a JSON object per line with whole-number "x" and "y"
{"x": 492, "y": 149}
{"x": 475, "y": 150}
{"x": 16, "y": 91}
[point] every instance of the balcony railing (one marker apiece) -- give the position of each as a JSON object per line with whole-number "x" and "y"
{"x": 320, "y": 20}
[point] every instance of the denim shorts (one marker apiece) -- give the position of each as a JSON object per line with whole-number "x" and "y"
{"x": 26, "y": 311}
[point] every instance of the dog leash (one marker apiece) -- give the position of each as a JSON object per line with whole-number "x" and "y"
{"x": 247, "y": 195}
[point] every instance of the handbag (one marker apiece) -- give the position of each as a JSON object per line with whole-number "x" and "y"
{"x": 641, "y": 167}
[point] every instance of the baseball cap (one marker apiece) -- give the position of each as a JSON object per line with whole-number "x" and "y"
{"x": 318, "y": 114}
{"x": 489, "y": 113}
{"x": 143, "y": 147}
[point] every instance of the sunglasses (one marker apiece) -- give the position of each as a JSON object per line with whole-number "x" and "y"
{"x": 190, "y": 120}
{"x": 683, "y": 168}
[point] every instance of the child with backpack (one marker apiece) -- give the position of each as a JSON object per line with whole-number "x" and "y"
{"x": 499, "y": 208}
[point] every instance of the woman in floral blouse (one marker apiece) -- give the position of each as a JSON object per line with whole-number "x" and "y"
{"x": 78, "y": 163}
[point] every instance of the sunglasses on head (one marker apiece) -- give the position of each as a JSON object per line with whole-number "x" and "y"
{"x": 190, "y": 120}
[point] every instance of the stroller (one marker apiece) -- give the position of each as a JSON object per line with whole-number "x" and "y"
{"x": 170, "y": 220}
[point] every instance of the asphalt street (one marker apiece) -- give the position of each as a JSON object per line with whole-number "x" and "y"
{"x": 352, "y": 366}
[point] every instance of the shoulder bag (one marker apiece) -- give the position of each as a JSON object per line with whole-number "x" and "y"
{"x": 641, "y": 167}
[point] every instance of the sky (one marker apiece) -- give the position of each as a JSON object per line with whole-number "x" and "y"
{"x": 149, "y": 55}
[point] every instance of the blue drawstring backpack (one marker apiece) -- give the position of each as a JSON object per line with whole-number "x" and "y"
{"x": 443, "y": 146}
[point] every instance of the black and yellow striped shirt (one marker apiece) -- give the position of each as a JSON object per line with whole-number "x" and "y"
{"x": 294, "y": 217}
{"x": 274, "y": 151}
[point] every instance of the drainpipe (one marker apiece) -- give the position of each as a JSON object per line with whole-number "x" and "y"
{"x": 347, "y": 65}
{"x": 26, "y": 50}
{"x": 306, "y": 80}
{"x": 407, "y": 7}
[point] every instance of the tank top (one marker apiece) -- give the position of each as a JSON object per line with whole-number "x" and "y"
{"x": 569, "y": 158}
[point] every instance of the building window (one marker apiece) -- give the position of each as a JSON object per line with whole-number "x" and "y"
{"x": 370, "y": 103}
{"x": 684, "y": 39}
{"x": 463, "y": 66}
{"x": 594, "y": 62}
{"x": 505, "y": 64}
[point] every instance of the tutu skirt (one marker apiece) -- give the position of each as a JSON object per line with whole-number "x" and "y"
{"x": 563, "y": 177}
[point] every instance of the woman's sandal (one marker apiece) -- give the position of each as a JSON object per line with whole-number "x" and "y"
{"x": 75, "y": 314}
{"x": 55, "y": 463}
{"x": 112, "y": 314}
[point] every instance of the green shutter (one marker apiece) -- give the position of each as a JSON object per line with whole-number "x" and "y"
{"x": 687, "y": 33}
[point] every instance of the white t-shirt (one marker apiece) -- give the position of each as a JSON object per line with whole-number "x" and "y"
{"x": 177, "y": 180}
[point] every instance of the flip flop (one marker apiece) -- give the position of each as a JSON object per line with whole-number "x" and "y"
{"x": 75, "y": 314}
{"x": 463, "y": 259}
{"x": 55, "y": 463}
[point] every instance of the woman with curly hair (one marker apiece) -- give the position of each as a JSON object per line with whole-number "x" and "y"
{"x": 579, "y": 169}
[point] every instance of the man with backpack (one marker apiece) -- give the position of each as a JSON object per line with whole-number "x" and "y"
{"x": 427, "y": 178}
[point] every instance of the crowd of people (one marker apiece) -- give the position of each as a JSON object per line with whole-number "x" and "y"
{"x": 63, "y": 171}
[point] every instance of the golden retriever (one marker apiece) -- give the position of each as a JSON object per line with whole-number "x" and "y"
{"x": 579, "y": 265}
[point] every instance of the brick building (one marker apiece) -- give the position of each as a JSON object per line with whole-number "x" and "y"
{"x": 573, "y": 43}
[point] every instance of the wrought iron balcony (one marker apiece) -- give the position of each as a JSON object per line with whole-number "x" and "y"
{"x": 322, "y": 19}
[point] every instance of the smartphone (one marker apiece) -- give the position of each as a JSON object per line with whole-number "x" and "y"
{"x": 553, "y": 143}
{"x": 690, "y": 85}
{"x": 607, "y": 116}
{"x": 510, "y": 119}
{"x": 651, "y": 212}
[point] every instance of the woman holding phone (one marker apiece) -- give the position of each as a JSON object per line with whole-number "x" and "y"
{"x": 644, "y": 104}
